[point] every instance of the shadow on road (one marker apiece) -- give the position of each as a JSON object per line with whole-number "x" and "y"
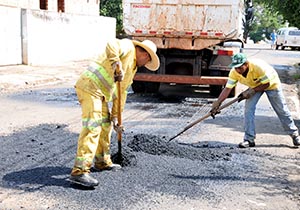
{"x": 37, "y": 157}
{"x": 236, "y": 123}
{"x": 38, "y": 178}
{"x": 275, "y": 146}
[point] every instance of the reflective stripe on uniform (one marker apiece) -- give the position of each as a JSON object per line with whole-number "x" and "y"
{"x": 92, "y": 124}
{"x": 82, "y": 163}
{"x": 106, "y": 122}
{"x": 103, "y": 80}
{"x": 230, "y": 83}
{"x": 268, "y": 78}
{"x": 97, "y": 71}
{"x": 102, "y": 157}
{"x": 102, "y": 160}
{"x": 264, "y": 79}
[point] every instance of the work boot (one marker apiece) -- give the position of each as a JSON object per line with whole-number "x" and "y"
{"x": 296, "y": 140}
{"x": 246, "y": 144}
{"x": 113, "y": 167}
{"x": 85, "y": 180}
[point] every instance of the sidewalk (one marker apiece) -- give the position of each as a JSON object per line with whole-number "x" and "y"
{"x": 20, "y": 77}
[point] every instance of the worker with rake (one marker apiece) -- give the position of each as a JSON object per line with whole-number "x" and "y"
{"x": 261, "y": 78}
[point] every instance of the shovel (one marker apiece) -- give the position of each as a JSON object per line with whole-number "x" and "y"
{"x": 119, "y": 117}
{"x": 204, "y": 117}
{"x": 118, "y": 157}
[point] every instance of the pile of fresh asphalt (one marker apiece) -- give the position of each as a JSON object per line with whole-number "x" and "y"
{"x": 156, "y": 145}
{"x": 125, "y": 157}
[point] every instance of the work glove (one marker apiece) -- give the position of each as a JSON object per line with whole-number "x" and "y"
{"x": 118, "y": 71}
{"x": 118, "y": 128}
{"x": 246, "y": 94}
{"x": 215, "y": 108}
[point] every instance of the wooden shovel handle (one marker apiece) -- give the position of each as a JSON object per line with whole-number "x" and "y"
{"x": 119, "y": 105}
{"x": 119, "y": 111}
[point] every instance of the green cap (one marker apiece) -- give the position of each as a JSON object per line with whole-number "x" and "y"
{"x": 238, "y": 60}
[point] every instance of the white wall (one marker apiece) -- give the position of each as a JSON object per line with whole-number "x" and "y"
{"x": 82, "y": 7}
{"x": 10, "y": 36}
{"x": 42, "y": 37}
{"x": 88, "y": 7}
{"x": 53, "y": 37}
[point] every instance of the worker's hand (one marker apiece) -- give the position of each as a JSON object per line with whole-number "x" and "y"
{"x": 118, "y": 128}
{"x": 119, "y": 76}
{"x": 118, "y": 71}
{"x": 215, "y": 108}
{"x": 246, "y": 94}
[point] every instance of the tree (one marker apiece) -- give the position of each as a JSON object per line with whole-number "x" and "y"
{"x": 264, "y": 21}
{"x": 249, "y": 17}
{"x": 289, "y": 9}
{"x": 113, "y": 8}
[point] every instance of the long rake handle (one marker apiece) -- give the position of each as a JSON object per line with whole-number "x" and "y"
{"x": 203, "y": 118}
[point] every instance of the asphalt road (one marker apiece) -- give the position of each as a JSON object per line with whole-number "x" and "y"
{"x": 200, "y": 169}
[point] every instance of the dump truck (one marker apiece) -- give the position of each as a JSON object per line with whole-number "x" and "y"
{"x": 195, "y": 40}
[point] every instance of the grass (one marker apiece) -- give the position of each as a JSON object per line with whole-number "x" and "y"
{"x": 296, "y": 76}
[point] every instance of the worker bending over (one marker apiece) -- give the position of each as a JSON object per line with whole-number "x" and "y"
{"x": 261, "y": 78}
{"x": 95, "y": 88}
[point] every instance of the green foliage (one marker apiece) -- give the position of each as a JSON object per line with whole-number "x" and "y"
{"x": 113, "y": 8}
{"x": 296, "y": 76}
{"x": 289, "y": 9}
{"x": 265, "y": 20}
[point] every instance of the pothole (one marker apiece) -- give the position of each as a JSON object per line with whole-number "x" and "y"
{"x": 155, "y": 145}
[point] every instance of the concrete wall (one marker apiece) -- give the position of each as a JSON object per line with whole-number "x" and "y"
{"x": 53, "y": 37}
{"x": 87, "y": 7}
{"x": 10, "y": 36}
{"x": 90, "y": 7}
{"x": 39, "y": 37}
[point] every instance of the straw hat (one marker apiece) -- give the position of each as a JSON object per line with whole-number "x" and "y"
{"x": 150, "y": 47}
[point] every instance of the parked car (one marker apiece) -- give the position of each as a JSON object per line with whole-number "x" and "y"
{"x": 288, "y": 37}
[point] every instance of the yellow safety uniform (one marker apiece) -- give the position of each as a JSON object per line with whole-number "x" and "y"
{"x": 95, "y": 88}
{"x": 259, "y": 73}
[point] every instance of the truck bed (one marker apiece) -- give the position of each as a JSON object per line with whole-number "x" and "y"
{"x": 183, "y": 24}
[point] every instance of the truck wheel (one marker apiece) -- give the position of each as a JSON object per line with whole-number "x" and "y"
{"x": 152, "y": 87}
{"x": 138, "y": 87}
{"x": 215, "y": 90}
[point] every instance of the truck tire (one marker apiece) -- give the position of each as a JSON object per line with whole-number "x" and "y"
{"x": 138, "y": 87}
{"x": 152, "y": 87}
{"x": 215, "y": 90}
{"x": 145, "y": 87}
